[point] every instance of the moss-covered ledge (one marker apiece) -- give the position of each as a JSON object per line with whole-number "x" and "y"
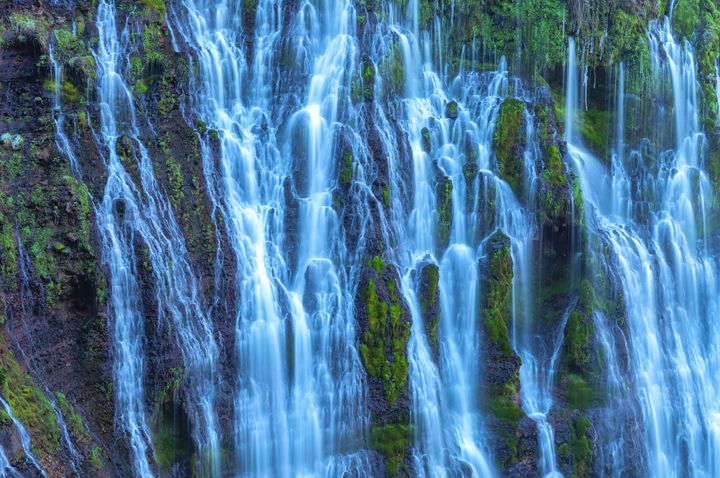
{"x": 384, "y": 329}
{"x": 500, "y": 377}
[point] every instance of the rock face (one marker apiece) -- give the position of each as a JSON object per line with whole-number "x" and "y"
{"x": 56, "y": 357}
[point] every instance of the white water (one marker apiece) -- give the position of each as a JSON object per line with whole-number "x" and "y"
{"x": 24, "y": 439}
{"x": 450, "y": 431}
{"x": 126, "y": 214}
{"x": 668, "y": 279}
{"x": 61, "y": 140}
{"x": 72, "y": 452}
{"x": 6, "y": 470}
{"x": 299, "y": 394}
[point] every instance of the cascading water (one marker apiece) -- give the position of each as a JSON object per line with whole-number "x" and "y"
{"x": 24, "y": 439}
{"x": 446, "y": 410}
{"x": 299, "y": 392}
{"x": 6, "y": 470}
{"x": 124, "y": 215}
{"x": 271, "y": 159}
{"x": 448, "y": 416}
{"x": 667, "y": 274}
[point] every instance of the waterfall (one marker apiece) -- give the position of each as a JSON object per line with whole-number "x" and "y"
{"x": 61, "y": 140}
{"x": 667, "y": 276}
{"x": 24, "y": 441}
{"x": 299, "y": 392}
{"x": 320, "y": 133}
{"x": 6, "y": 470}
{"x": 125, "y": 215}
{"x": 73, "y": 454}
{"x": 450, "y": 430}
{"x": 571, "y": 93}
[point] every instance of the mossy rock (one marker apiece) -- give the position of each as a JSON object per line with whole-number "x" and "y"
{"x": 498, "y": 293}
{"x": 429, "y": 297}
{"x": 444, "y": 208}
{"x": 72, "y": 52}
{"x": 30, "y": 406}
{"x": 426, "y": 140}
{"x": 383, "y": 346}
{"x": 451, "y": 109}
{"x": 577, "y": 451}
{"x": 393, "y": 442}
{"x": 509, "y": 142}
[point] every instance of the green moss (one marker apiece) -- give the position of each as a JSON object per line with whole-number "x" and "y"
{"x": 451, "y": 109}
{"x": 70, "y": 93}
{"x": 578, "y": 449}
{"x": 26, "y": 26}
{"x": 71, "y": 51}
{"x": 503, "y": 402}
{"x": 626, "y": 37}
{"x": 686, "y": 16}
{"x": 170, "y": 433}
{"x": 83, "y": 209}
{"x": 498, "y": 299}
{"x": 95, "y": 458}
{"x": 346, "y": 170}
{"x": 82, "y": 119}
{"x": 428, "y": 297}
{"x": 392, "y": 442}
{"x": 378, "y": 264}
{"x": 176, "y": 179}
{"x": 29, "y": 404}
{"x": 595, "y": 125}
{"x": 579, "y": 393}
{"x": 152, "y": 37}
{"x": 509, "y": 143}
{"x": 579, "y": 330}
{"x": 577, "y": 336}
{"x": 555, "y": 182}
{"x": 707, "y": 45}
{"x": 444, "y": 209}
{"x": 368, "y": 77}
{"x": 43, "y": 263}
{"x": 72, "y": 418}
{"x": 384, "y": 343}
{"x": 154, "y": 6}
{"x": 393, "y": 70}
{"x": 5, "y": 419}
{"x": 8, "y": 255}
{"x": 579, "y": 203}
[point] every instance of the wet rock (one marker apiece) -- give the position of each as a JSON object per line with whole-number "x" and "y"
{"x": 451, "y": 109}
